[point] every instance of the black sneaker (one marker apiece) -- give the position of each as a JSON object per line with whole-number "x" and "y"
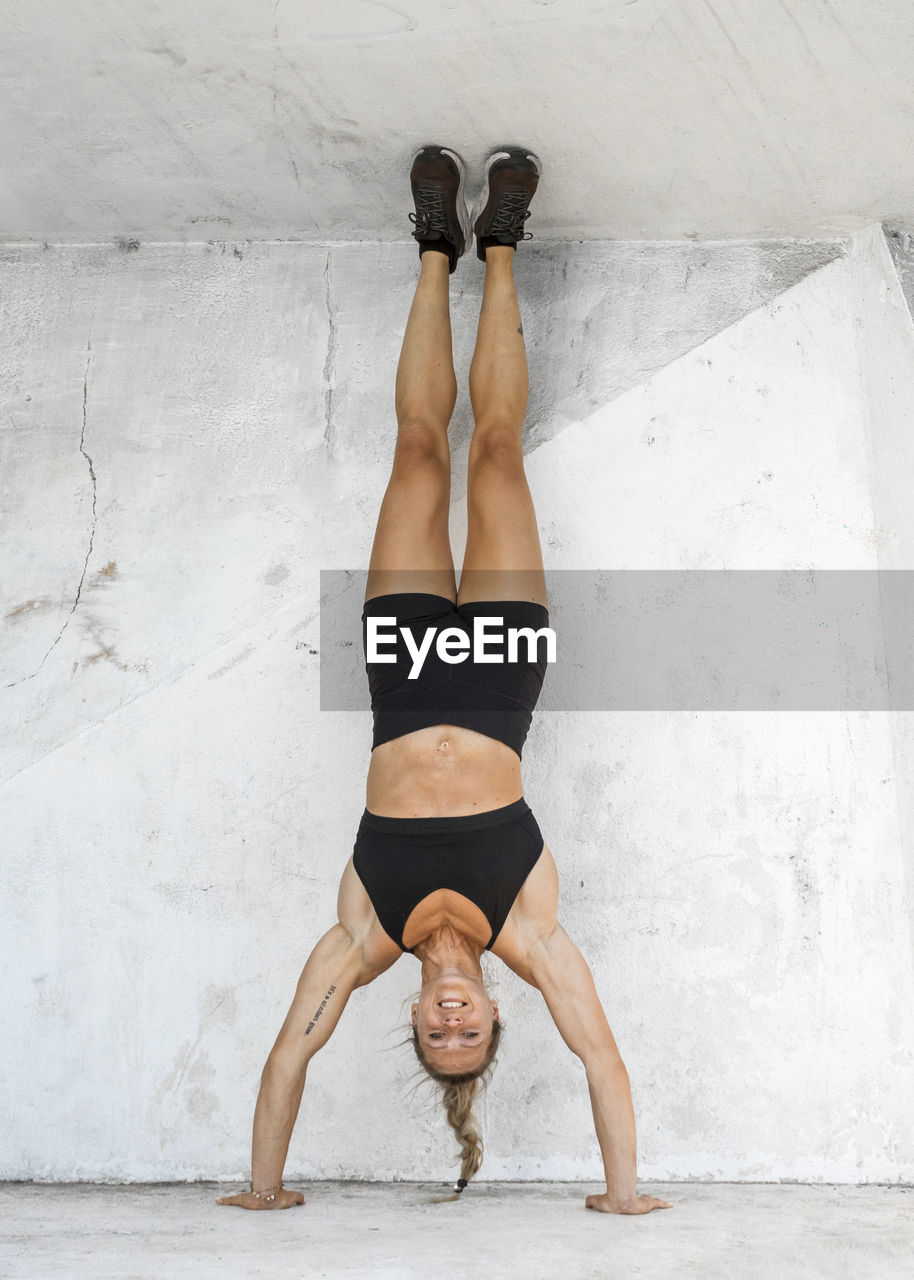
{"x": 441, "y": 218}
{"x": 498, "y": 216}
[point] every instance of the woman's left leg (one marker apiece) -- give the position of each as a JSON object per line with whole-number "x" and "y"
{"x": 503, "y": 559}
{"x": 411, "y": 549}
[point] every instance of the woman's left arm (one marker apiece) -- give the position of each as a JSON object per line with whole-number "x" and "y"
{"x": 556, "y": 967}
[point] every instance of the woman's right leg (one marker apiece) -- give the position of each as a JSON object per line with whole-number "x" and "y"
{"x": 412, "y": 549}
{"x": 503, "y": 560}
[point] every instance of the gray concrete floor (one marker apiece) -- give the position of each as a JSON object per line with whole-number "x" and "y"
{"x": 498, "y": 1230}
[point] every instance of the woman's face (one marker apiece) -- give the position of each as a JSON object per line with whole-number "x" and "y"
{"x": 453, "y": 1018}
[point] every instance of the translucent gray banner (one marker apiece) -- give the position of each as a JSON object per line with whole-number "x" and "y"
{"x": 687, "y": 640}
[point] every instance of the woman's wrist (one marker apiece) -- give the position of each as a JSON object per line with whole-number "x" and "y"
{"x": 268, "y": 1194}
{"x": 621, "y": 1199}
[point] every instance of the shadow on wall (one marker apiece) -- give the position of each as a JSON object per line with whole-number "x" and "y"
{"x": 601, "y": 318}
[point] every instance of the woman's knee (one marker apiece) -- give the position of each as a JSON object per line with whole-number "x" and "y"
{"x": 497, "y": 445}
{"x": 421, "y": 448}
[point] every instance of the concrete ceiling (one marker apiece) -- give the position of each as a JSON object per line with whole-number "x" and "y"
{"x": 261, "y": 119}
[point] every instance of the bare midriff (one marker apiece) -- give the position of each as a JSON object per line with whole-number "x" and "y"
{"x": 442, "y": 771}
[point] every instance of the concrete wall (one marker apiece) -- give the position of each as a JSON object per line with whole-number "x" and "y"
{"x": 266, "y": 119}
{"x": 190, "y": 434}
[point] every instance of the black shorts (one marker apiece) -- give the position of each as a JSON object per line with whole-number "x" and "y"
{"x": 494, "y": 698}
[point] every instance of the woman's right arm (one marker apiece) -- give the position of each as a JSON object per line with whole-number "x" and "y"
{"x": 336, "y": 966}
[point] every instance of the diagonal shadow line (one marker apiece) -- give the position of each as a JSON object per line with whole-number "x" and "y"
{"x": 546, "y": 430}
{"x": 572, "y": 408}
{"x": 536, "y": 439}
{"x": 166, "y": 684}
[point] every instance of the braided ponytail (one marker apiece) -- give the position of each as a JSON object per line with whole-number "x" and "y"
{"x": 458, "y": 1105}
{"x": 458, "y": 1095}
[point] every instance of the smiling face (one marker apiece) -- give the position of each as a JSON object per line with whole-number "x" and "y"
{"x": 453, "y": 1018}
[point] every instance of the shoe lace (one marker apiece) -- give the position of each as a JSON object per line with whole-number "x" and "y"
{"x": 510, "y": 215}
{"x": 431, "y": 213}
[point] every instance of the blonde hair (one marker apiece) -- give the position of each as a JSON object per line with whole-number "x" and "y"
{"x": 458, "y": 1094}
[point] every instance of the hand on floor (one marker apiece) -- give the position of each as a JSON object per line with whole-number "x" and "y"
{"x": 640, "y": 1204}
{"x": 285, "y": 1199}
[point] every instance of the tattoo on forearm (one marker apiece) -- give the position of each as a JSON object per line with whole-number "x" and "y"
{"x": 310, "y": 1027}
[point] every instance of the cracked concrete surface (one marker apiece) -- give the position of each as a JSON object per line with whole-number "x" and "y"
{"x": 94, "y": 480}
{"x": 330, "y": 362}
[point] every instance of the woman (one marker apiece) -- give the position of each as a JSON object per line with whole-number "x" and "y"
{"x": 449, "y": 860}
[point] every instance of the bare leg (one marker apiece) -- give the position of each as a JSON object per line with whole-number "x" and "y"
{"x": 412, "y": 550}
{"x": 503, "y": 558}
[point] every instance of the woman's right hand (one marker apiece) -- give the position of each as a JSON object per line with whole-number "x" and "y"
{"x": 285, "y": 1199}
{"x": 635, "y": 1204}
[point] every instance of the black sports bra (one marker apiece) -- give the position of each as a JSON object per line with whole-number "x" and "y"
{"x": 486, "y": 857}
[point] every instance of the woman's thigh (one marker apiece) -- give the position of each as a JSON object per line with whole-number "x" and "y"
{"x": 411, "y": 549}
{"x": 504, "y": 559}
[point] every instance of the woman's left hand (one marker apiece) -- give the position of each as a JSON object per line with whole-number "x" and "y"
{"x": 637, "y": 1204}
{"x": 284, "y": 1199}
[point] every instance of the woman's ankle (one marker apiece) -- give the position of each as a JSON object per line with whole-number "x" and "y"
{"x": 500, "y": 256}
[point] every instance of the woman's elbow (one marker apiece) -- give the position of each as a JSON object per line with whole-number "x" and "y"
{"x": 601, "y": 1060}
{"x": 283, "y": 1070}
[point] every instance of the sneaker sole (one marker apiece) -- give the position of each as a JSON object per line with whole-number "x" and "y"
{"x": 463, "y": 215}
{"x": 483, "y": 198}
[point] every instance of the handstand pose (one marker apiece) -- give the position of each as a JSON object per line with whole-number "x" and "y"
{"x": 449, "y": 860}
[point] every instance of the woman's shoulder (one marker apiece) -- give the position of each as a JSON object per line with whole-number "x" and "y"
{"x": 532, "y": 917}
{"x": 358, "y": 916}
